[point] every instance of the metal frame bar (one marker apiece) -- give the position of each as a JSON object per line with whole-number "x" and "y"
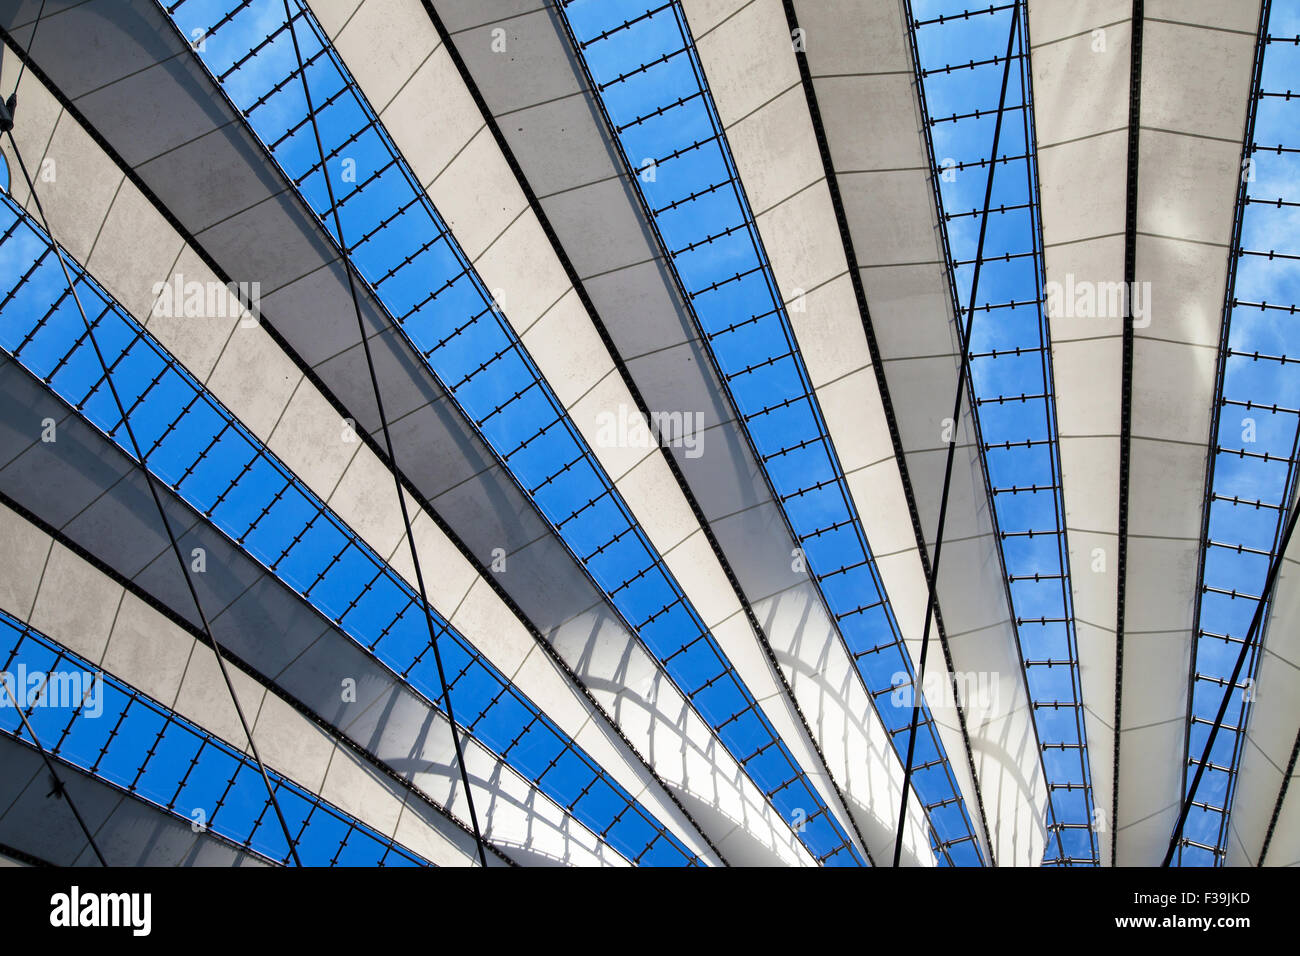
{"x": 1281, "y": 799}
{"x": 1126, "y": 393}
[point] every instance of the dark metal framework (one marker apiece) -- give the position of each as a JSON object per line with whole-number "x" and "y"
{"x": 9, "y": 697}
{"x": 882, "y": 386}
{"x": 1008, "y": 365}
{"x": 206, "y": 457}
{"x": 957, "y": 403}
{"x": 1251, "y": 475}
{"x": 125, "y": 738}
{"x": 672, "y": 118}
{"x": 1126, "y": 395}
{"x": 1179, "y": 842}
{"x": 404, "y": 244}
{"x": 1287, "y": 774}
{"x": 311, "y": 375}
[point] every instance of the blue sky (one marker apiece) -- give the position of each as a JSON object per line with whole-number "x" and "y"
{"x": 704, "y": 222}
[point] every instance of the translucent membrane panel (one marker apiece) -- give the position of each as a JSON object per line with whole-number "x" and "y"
{"x": 199, "y": 450}
{"x": 648, "y": 80}
{"x": 962, "y": 57}
{"x": 1253, "y": 473}
{"x": 404, "y": 252}
{"x": 109, "y": 729}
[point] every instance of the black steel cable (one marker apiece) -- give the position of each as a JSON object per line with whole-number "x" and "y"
{"x": 952, "y": 445}
{"x": 22, "y": 65}
{"x": 388, "y": 446}
{"x": 153, "y": 492}
{"x": 6, "y": 123}
{"x": 1231, "y": 686}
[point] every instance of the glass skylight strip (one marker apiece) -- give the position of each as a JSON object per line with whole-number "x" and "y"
{"x": 1252, "y": 473}
{"x": 960, "y": 58}
{"x": 118, "y": 734}
{"x": 201, "y": 452}
{"x": 403, "y": 250}
{"x": 648, "y": 80}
